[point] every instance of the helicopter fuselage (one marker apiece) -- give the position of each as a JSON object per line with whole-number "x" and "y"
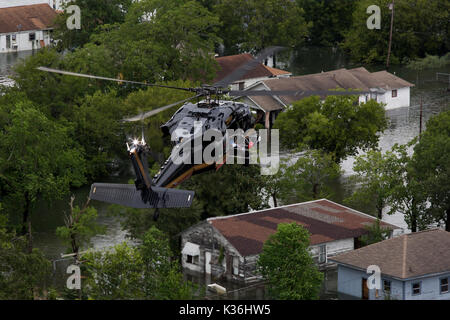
{"x": 191, "y": 121}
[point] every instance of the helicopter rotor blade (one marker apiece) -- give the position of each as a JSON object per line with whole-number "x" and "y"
{"x": 150, "y": 113}
{"x": 298, "y": 93}
{"x": 82, "y": 75}
{"x": 245, "y": 68}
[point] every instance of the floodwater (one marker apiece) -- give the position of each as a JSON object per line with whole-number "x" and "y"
{"x": 403, "y": 127}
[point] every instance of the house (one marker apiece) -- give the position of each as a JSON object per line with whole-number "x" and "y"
{"x": 229, "y": 246}
{"x": 383, "y": 86}
{"x": 55, "y": 4}
{"x": 26, "y": 27}
{"x": 228, "y": 64}
{"x": 261, "y": 72}
{"x": 413, "y": 266}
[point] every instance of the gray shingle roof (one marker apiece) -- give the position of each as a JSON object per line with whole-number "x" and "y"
{"x": 407, "y": 256}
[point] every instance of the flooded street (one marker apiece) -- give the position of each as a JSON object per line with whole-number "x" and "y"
{"x": 403, "y": 127}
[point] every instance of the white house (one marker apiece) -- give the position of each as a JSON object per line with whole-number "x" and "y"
{"x": 382, "y": 86}
{"x": 55, "y": 4}
{"x": 26, "y": 27}
{"x": 230, "y": 246}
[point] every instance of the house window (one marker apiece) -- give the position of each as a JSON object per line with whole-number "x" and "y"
{"x": 323, "y": 253}
{"x": 8, "y": 41}
{"x": 192, "y": 259}
{"x": 394, "y": 93}
{"x": 416, "y": 288}
{"x": 241, "y": 85}
{"x": 444, "y": 285}
{"x": 13, "y": 37}
{"x": 32, "y": 36}
{"x": 387, "y": 286}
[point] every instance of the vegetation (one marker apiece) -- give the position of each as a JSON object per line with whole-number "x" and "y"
{"x": 144, "y": 272}
{"x": 22, "y": 273}
{"x": 377, "y": 174}
{"x": 287, "y": 266}
{"x": 59, "y": 133}
{"x": 338, "y": 126}
{"x": 309, "y": 178}
{"x": 80, "y": 226}
{"x": 375, "y": 234}
{"x": 431, "y": 164}
{"x": 420, "y": 27}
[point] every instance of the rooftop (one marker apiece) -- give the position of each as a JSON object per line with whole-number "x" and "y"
{"x": 325, "y": 220}
{"x": 407, "y": 256}
{"x": 356, "y": 79}
{"x": 228, "y": 64}
{"x": 26, "y": 18}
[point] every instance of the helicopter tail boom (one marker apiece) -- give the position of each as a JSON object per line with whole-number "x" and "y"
{"x": 127, "y": 195}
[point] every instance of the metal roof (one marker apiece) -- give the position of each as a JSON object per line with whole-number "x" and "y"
{"x": 325, "y": 220}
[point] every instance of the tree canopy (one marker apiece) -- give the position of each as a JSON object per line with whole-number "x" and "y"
{"x": 143, "y": 272}
{"x": 420, "y": 27}
{"x": 431, "y": 164}
{"x": 287, "y": 266}
{"x": 338, "y": 125}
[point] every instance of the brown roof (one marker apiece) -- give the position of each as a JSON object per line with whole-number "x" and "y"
{"x": 357, "y": 79}
{"x": 229, "y": 64}
{"x": 267, "y": 103}
{"x": 390, "y": 80}
{"x": 276, "y": 72}
{"x": 325, "y": 220}
{"x": 407, "y": 256}
{"x": 330, "y": 80}
{"x": 381, "y": 79}
{"x": 31, "y": 17}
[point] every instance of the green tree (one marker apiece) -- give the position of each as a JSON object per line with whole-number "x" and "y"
{"x": 329, "y": 19}
{"x": 257, "y": 24}
{"x": 114, "y": 274}
{"x": 339, "y": 125}
{"x": 162, "y": 41}
{"x": 22, "y": 274}
{"x": 431, "y": 165}
{"x": 309, "y": 178}
{"x": 80, "y": 226}
{"x": 162, "y": 276}
{"x": 287, "y": 265}
{"x": 231, "y": 190}
{"x": 98, "y": 129}
{"x": 409, "y": 196}
{"x": 419, "y": 27}
{"x": 376, "y": 176}
{"x": 38, "y": 160}
{"x": 94, "y": 13}
{"x": 143, "y": 272}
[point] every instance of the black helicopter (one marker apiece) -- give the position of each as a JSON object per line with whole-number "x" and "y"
{"x": 214, "y": 113}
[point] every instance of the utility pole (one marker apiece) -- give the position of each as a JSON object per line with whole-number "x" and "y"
{"x": 421, "y": 108}
{"x": 391, "y": 6}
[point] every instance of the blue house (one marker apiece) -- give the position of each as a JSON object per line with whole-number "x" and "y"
{"x": 413, "y": 266}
